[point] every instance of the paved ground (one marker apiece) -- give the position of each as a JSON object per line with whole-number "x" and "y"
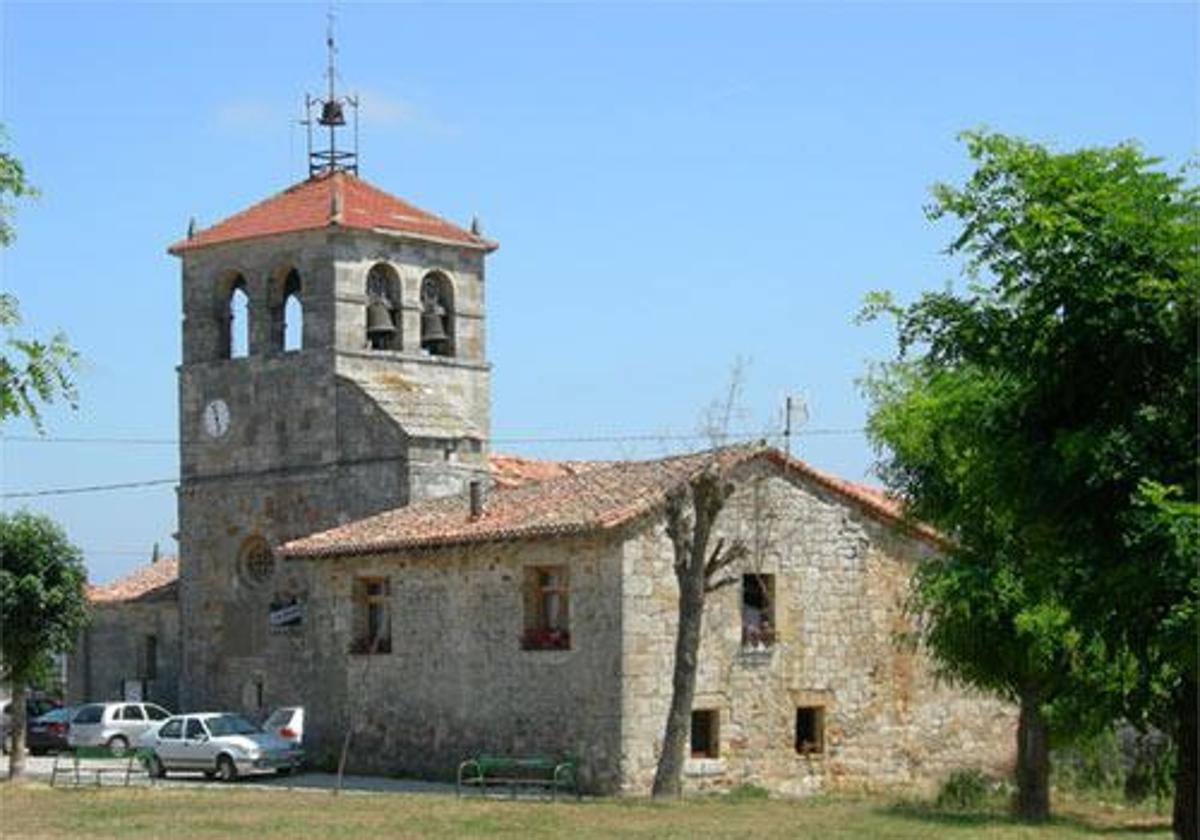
{"x": 40, "y": 767}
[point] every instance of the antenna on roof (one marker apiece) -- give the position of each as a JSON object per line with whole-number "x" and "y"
{"x": 332, "y": 116}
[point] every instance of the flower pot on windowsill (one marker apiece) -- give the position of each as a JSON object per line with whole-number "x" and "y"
{"x": 758, "y": 639}
{"x": 545, "y": 638}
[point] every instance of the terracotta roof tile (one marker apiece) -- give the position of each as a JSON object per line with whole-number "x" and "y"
{"x": 151, "y": 579}
{"x": 310, "y": 205}
{"x": 510, "y": 471}
{"x": 595, "y": 498}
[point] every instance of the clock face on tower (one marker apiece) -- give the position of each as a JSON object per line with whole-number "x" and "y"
{"x": 216, "y": 418}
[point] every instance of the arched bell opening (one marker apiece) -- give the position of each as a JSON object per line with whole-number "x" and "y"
{"x": 234, "y": 320}
{"x": 293, "y": 313}
{"x": 384, "y": 322}
{"x": 437, "y": 315}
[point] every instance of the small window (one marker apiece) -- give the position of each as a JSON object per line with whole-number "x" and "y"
{"x": 547, "y": 609}
{"x": 156, "y": 712}
{"x": 195, "y": 729}
{"x": 372, "y": 616}
{"x": 132, "y": 713}
{"x": 810, "y": 730}
{"x": 150, "y": 669}
{"x": 706, "y": 731}
{"x": 758, "y": 611}
{"x": 171, "y": 729}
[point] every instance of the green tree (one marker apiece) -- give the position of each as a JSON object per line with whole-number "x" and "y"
{"x": 32, "y": 371}
{"x": 42, "y": 606}
{"x": 1046, "y": 417}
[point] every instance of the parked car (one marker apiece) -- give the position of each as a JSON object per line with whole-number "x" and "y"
{"x": 288, "y": 724}
{"x": 34, "y": 706}
{"x": 219, "y": 744}
{"x": 114, "y": 725}
{"x": 48, "y": 733}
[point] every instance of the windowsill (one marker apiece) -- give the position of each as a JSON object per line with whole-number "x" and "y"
{"x": 703, "y": 766}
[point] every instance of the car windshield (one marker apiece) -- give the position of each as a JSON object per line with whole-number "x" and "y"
{"x": 56, "y": 716}
{"x": 230, "y": 725}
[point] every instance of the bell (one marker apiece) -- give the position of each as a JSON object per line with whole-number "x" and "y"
{"x": 432, "y": 329}
{"x": 379, "y": 320}
{"x": 331, "y": 113}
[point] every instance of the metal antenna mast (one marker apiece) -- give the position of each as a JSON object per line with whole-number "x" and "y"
{"x": 332, "y": 116}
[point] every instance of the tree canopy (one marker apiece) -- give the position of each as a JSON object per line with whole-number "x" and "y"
{"x": 32, "y": 371}
{"x": 1046, "y": 417}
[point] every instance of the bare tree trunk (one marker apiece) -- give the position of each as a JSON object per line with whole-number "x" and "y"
{"x": 668, "y": 779}
{"x": 695, "y": 570}
{"x": 16, "y": 756}
{"x": 1186, "y": 777}
{"x": 1033, "y": 760}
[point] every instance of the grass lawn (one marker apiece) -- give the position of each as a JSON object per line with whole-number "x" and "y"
{"x": 33, "y": 810}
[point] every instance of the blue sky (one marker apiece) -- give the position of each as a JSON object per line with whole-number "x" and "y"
{"x": 674, "y": 186}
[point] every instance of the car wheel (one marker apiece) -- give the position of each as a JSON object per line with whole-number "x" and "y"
{"x": 283, "y": 771}
{"x": 37, "y": 751}
{"x": 226, "y": 769}
{"x": 210, "y": 774}
{"x": 118, "y": 744}
{"x": 156, "y": 768}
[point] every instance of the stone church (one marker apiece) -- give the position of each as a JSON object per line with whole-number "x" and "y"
{"x": 348, "y": 542}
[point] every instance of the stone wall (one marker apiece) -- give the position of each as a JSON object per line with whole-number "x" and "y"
{"x": 840, "y": 585}
{"x": 113, "y": 649}
{"x": 457, "y": 681}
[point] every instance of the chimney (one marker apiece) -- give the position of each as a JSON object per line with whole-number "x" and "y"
{"x": 476, "y": 487}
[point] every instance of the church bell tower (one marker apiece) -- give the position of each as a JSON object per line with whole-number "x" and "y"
{"x": 334, "y": 365}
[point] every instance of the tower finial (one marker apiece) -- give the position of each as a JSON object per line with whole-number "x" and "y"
{"x": 332, "y": 116}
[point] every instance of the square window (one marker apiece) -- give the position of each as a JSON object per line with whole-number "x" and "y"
{"x": 706, "y": 731}
{"x": 547, "y": 609}
{"x": 810, "y": 730}
{"x": 758, "y": 611}
{"x": 372, "y": 616}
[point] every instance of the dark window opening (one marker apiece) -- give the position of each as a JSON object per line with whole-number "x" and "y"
{"x": 150, "y": 668}
{"x": 758, "y": 611}
{"x": 705, "y": 733}
{"x": 810, "y": 730}
{"x": 372, "y": 616}
{"x": 547, "y": 609}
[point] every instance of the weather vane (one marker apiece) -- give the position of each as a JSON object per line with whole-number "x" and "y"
{"x": 332, "y": 115}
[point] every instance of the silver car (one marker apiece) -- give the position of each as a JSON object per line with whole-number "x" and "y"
{"x": 115, "y": 725}
{"x": 217, "y": 744}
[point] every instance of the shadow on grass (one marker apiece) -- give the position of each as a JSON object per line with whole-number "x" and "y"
{"x": 997, "y": 815}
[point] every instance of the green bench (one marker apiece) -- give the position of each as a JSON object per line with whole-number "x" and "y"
{"x": 550, "y": 772}
{"x": 96, "y": 762}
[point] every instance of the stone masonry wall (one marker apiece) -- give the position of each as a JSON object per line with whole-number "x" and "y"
{"x": 841, "y": 580}
{"x": 112, "y": 649}
{"x": 457, "y": 681}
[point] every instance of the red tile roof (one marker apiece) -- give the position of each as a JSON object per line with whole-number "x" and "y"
{"x": 151, "y": 579}
{"x": 597, "y": 498}
{"x": 510, "y": 471}
{"x": 327, "y": 200}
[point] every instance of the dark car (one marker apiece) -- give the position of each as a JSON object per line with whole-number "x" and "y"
{"x": 48, "y": 733}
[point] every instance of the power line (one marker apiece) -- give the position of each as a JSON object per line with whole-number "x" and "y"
{"x": 644, "y": 437}
{"x": 89, "y": 488}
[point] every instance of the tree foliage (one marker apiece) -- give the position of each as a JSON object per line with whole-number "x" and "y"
{"x": 42, "y": 603}
{"x": 32, "y": 371}
{"x": 1046, "y": 418}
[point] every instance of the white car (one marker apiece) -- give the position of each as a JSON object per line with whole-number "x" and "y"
{"x": 218, "y": 744}
{"x": 288, "y": 724}
{"x": 113, "y": 725}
